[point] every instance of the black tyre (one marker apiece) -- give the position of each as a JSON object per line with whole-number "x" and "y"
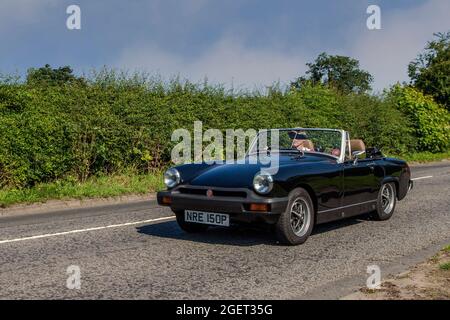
{"x": 296, "y": 224}
{"x": 386, "y": 201}
{"x": 189, "y": 226}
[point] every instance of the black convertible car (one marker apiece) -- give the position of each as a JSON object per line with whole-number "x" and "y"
{"x": 321, "y": 176}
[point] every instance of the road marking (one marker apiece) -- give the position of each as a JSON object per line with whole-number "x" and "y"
{"x": 48, "y": 235}
{"x": 420, "y": 178}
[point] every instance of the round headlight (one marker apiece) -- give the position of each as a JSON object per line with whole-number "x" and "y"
{"x": 263, "y": 183}
{"x": 171, "y": 178}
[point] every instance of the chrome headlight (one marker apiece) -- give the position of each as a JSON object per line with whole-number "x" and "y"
{"x": 172, "y": 178}
{"x": 263, "y": 183}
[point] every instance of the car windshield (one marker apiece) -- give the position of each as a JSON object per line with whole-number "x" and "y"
{"x": 325, "y": 141}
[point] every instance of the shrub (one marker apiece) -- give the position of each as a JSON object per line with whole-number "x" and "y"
{"x": 430, "y": 121}
{"x": 378, "y": 122}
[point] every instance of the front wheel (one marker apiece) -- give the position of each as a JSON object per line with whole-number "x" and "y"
{"x": 295, "y": 224}
{"x": 189, "y": 226}
{"x": 386, "y": 201}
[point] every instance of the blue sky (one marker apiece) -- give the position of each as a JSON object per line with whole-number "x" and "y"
{"x": 246, "y": 43}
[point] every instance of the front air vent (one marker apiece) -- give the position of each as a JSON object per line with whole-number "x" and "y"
{"x": 216, "y": 193}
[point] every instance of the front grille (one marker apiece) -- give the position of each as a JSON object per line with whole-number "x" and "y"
{"x": 193, "y": 191}
{"x": 238, "y": 194}
{"x": 216, "y": 193}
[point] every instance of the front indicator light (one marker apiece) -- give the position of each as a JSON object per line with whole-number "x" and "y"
{"x": 166, "y": 200}
{"x": 261, "y": 207}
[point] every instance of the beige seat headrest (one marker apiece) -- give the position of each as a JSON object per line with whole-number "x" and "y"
{"x": 357, "y": 145}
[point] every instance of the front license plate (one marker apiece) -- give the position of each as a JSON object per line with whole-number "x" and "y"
{"x": 217, "y": 219}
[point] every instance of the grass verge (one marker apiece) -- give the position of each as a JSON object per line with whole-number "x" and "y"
{"x": 424, "y": 281}
{"x": 94, "y": 187}
{"x": 445, "y": 266}
{"x": 422, "y": 157}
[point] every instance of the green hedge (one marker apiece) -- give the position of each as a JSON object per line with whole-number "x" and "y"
{"x": 109, "y": 124}
{"x": 431, "y": 122}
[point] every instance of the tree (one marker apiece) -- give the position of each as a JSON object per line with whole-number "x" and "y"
{"x": 430, "y": 71}
{"x": 339, "y": 72}
{"x": 47, "y": 75}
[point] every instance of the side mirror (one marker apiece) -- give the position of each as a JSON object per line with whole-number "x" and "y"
{"x": 356, "y": 155}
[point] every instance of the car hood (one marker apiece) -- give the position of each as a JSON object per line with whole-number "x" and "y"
{"x": 227, "y": 176}
{"x": 241, "y": 175}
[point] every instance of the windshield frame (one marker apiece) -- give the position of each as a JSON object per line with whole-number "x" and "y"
{"x": 343, "y": 134}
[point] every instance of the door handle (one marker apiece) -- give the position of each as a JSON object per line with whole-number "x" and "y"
{"x": 371, "y": 165}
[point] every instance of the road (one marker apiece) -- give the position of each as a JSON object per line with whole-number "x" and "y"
{"x": 134, "y": 251}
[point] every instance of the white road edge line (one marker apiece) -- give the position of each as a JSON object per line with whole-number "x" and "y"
{"x": 48, "y": 235}
{"x": 420, "y": 178}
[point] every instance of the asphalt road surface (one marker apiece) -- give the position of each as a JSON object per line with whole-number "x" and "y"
{"x": 135, "y": 251}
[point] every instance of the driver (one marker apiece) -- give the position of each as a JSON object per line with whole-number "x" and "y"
{"x": 300, "y": 141}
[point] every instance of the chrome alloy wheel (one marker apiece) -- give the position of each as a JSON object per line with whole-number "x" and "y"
{"x": 387, "y": 198}
{"x": 300, "y": 217}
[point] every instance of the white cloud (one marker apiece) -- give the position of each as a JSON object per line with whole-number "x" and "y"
{"x": 228, "y": 61}
{"x": 386, "y": 53}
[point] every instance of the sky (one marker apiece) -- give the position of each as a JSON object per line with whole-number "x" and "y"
{"x": 243, "y": 44}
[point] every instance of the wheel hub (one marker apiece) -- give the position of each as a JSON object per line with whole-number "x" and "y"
{"x": 299, "y": 217}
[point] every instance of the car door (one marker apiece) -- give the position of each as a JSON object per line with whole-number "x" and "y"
{"x": 361, "y": 180}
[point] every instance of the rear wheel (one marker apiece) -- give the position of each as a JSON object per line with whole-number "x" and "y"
{"x": 189, "y": 226}
{"x": 295, "y": 224}
{"x": 386, "y": 201}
